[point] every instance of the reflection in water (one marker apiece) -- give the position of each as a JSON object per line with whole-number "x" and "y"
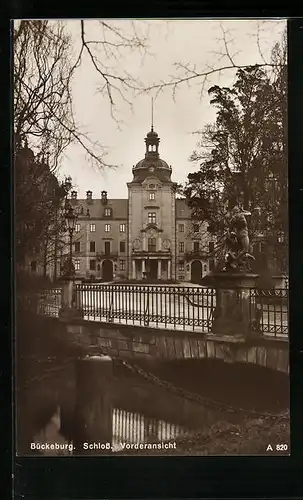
{"x": 128, "y": 428}
{"x": 49, "y": 441}
{"x": 134, "y": 428}
{"x": 143, "y": 412}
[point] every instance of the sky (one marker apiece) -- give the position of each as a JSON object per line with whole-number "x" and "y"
{"x": 197, "y": 43}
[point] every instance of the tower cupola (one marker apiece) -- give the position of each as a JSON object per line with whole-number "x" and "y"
{"x": 152, "y": 164}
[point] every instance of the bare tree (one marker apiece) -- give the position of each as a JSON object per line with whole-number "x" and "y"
{"x": 44, "y": 68}
{"x": 225, "y": 60}
{"x": 46, "y": 63}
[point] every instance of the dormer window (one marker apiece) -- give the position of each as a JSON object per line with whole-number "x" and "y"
{"x": 107, "y": 212}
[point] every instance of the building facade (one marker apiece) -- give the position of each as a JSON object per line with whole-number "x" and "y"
{"x": 148, "y": 235}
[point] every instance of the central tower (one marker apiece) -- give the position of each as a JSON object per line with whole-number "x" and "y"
{"x": 151, "y": 201}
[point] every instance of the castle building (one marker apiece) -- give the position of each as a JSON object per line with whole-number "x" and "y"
{"x": 148, "y": 235}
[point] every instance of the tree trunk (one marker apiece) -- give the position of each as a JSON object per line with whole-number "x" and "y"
{"x": 56, "y": 249}
{"x": 45, "y": 259}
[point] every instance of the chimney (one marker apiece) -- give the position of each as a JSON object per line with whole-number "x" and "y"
{"x": 104, "y": 197}
{"x": 89, "y": 196}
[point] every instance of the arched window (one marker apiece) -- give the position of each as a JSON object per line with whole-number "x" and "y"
{"x": 152, "y": 244}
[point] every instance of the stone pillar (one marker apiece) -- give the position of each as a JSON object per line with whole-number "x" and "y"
{"x": 159, "y": 274}
{"x": 159, "y": 242}
{"x": 67, "y": 293}
{"x": 143, "y": 268}
{"x": 169, "y": 269}
{"x": 235, "y": 312}
{"x": 144, "y": 242}
{"x": 68, "y": 308}
{"x": 279, "y": 281}
{"x": 93, "y": 410}
{"x": 134, "y": 269}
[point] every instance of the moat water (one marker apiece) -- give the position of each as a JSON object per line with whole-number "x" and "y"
{"x": 144, "y": 412}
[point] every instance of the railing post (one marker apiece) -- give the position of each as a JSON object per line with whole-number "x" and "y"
{"x": 68, "y": 307}
{"x": 93, "y": 410}
{"x": 146, "y": 308}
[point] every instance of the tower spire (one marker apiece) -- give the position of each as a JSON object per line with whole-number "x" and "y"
{"x": 152, "y": 114}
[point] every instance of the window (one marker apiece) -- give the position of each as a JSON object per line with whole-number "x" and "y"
{"x": 107, "y": 228}
{"x": 92, "y": 246}
{"x": 92, "y": 265}
{"x": 151, "y": 186}
{"x": 181, "y": 246}
{"x": 151, "y": 196}
{"x": 211, "y": 246}
{"x": 77, "y": 228}
{"x": 261, "y": 247}
{"x": 77, "y": 246}
{"x": 152, "y": 217}
{"x": 196, "y": 246}
{"x": 107, "y": 212}
{"x": 181, "y": 266}
{"x": 122, "y": 228}
{"x": 77, "y": 265}
{"x": 196, "y": 228}
{"x": 122, "y": 265}
{"x": 92, "y": 228}
{"x": 181, "y": 228}
{"x": 107, "y": 247}
{"x": 152, "y": 244}
{"x": 33, "y": 266}
{"x": 122, "y": 246}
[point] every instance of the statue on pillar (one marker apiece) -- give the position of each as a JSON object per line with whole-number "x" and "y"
{"x": 238, "y": 249}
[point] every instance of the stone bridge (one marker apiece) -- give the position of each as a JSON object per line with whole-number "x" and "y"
{"x": 131, "y": 342}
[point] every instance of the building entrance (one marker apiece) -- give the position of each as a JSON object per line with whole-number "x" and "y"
{"x": 152, "y": 269}
{"x": 107, "y": 270}
{"x": 196, "y": 271}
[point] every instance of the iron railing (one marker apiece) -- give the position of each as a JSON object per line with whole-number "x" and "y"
{"x": 46, "y": 302}
{"x": 269, "y": 311}
{"x": 50, "y": 302}
{"x": 186, "y": 308}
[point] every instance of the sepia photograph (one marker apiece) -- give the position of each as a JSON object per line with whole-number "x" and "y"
{"x": 151, "y": 237}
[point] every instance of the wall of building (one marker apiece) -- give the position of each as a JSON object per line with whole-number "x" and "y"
{"x": 101, "y": 231}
